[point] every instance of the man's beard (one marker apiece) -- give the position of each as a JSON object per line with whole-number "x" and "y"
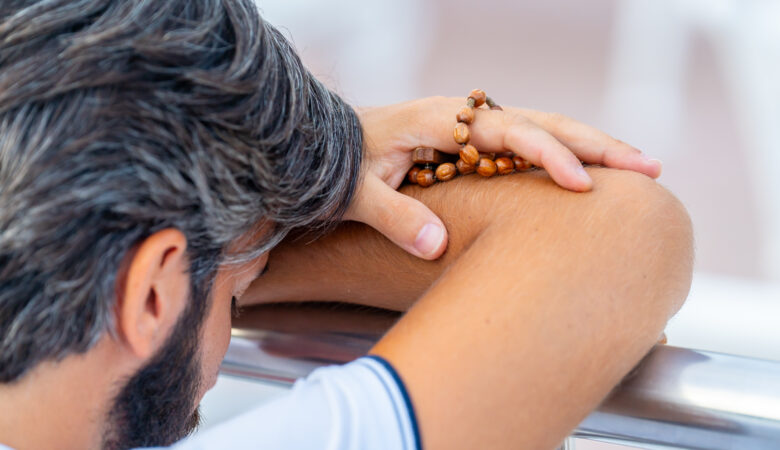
{"x": 157, "y": 406}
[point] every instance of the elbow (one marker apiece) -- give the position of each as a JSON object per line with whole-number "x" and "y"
{"x": 656, "y": 230}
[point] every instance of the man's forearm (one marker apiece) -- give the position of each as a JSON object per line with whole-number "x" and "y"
{"x": 357, "y": 264}
{"x": 548, "y": 299}
{"x": 543, "y": 314}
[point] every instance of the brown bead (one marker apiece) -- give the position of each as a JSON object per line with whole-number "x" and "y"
{"x": 486, "y": 167}
{"x": 411, "y": 176}
{"x": 461, "y": 133}
{"x": 491, "y": 156}
{"x": 425, "y": 177}
{"x": 479, "y": 97}
{"x": 469, "y": 155}
{"x": 504, "y": 165}
{"x": 464, "y": 168}
{"x": 427, "y": 155}
{"x": 466, "y": 115}
{"x": 446, "y": 172}
{"x": 520, "y": 163}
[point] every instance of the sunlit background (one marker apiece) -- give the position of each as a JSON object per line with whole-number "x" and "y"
{"x": 695, "y": 83}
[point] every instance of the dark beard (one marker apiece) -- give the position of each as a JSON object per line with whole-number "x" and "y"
{"x": 157, "y": 406}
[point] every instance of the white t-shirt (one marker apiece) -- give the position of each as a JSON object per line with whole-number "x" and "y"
{"x": 360, "y": 405}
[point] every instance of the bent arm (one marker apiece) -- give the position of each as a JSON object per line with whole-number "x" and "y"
{"x": 356, "y": 264}
{"x": 543, "y": 302}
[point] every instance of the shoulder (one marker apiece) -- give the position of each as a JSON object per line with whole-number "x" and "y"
{"x": 359, "y": 405}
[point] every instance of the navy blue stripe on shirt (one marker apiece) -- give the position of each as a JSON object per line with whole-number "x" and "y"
{"x": 404, "y": 394}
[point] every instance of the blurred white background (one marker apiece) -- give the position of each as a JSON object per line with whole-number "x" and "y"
{"x": 695, "y": 83}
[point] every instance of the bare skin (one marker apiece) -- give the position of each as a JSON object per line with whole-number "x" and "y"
{"x": 64, "y": 404}
{"x": 548, "y": 140}
{"x": 152, "y": 288}
{"x": 543, "y": 301}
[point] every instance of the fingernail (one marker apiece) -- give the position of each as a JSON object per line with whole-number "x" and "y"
{"x": 582, "y": 174}
{"x": 429, "y": 239}
{"x": 650, "y": 160}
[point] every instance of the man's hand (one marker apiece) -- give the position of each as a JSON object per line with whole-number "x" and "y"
{"x": 547, "y": 140}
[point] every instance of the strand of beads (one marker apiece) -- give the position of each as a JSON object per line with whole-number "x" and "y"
{"x": 470, "y": 159}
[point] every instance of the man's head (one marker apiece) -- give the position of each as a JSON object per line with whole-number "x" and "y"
{"x": 151, "y": 152}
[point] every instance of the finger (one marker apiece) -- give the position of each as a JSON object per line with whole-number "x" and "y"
{"x": 438, "y": 115}
{"x": 402, "y": 219}
{"x": 594, "y": 146}
{"x": 585, "y": 142}
{"x": 496, "y": 131}
{"x": 542, "y": 149}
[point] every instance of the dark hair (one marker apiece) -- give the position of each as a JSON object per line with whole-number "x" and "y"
{"x": 156, "y": 407}
{"x": 121, "y": 118}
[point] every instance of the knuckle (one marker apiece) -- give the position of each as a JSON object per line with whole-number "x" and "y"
{"x": 422, "y": 109}
{"x": 557, "y": 120}
{"x": 393, "y": 213}
{"x": 521, "y": 129}
{"x": 524, "y": 138}
{"x": 433, "y": 103}
{"x": 438, "y": 99}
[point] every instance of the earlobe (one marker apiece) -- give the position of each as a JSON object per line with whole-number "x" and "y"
{"x": 152, "y": 291}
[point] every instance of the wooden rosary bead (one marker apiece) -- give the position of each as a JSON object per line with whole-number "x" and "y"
{"x": 486, "y": 167}
{"x": 425, "y": 177}
{"x": 464, "y": 168}
{"x": 446, "y": 172}
{"x": 469, "y": 155}
{"x": 479, "y": 97}
{"x": 466, "y": 115}
{"x": 427, "y": 155}
{"x": 520, "y": 163}
{"x": 461, "y": 133}
{"x": 504, "y": 165}
{"x": 411, "y": 176}
{"x": 471, "y": 160}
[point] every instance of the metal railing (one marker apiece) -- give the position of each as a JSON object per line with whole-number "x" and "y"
{"x": 676, "y": 397}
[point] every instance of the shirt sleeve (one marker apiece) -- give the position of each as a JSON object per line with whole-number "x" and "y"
{"x": 360, "y": 405}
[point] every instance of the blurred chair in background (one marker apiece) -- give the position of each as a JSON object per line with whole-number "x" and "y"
{"x": 650, "y": 61}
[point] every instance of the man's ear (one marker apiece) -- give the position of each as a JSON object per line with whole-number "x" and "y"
{"x": 152, "y": 291}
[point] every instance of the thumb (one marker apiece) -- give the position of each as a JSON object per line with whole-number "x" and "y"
{"x": 402, "y": 219}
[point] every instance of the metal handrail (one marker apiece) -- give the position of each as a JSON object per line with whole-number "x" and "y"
{"x": 675, "y": 397}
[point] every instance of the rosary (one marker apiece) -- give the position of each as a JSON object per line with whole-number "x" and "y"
{"x": 470, "y": 159}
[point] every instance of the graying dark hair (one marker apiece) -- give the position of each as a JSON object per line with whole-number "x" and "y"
{"x": 121, "y": 118}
